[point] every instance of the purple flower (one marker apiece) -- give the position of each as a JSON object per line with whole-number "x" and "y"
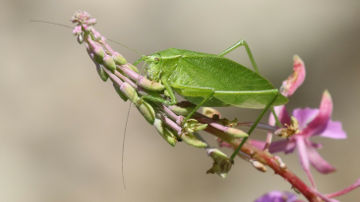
{"x": 278, "y": 196}
{"x": 310, "y": 123}
{"x": 313, "y": 122}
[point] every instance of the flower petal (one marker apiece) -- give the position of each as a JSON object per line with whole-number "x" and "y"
{"x": 334, "y": 130}
{"x": 295, "y": 80}
{"x": 318, "y": 162}
{"x": 282, "y": 145}
{"x": 277, "y": 196}
{"x": 290, "y": 147}
{"x": 304, "y": 157}
{"x": 304, "y": 116}
{"x": 316, "y": 145}
{"x": 282, "y": 114}
{"x": 319, "y": 123}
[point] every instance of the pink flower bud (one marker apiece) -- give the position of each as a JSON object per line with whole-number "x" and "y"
{"x": 295, "y": 80}
{"x": 109, "y": 63}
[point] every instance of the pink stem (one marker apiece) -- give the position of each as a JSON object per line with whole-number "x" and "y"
{"x": 346, "y": 190}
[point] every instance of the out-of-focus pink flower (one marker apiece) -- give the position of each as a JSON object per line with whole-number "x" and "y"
{"x": 278, "y": 196}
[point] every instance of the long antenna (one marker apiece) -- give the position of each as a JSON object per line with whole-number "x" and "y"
{"x": 50, "y": 23}
{"x": 71, "y": 27}
{"x": 123, "y": 146}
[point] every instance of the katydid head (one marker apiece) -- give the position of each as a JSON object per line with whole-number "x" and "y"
{"x": 161, "y": 63}
{"x": 153, "y": 68}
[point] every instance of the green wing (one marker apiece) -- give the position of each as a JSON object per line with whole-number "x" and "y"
{"x": 233, "y": 83}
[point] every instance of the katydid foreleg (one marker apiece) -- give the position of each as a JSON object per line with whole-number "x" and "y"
{"x": 161, "y": 100}
{"x": 207, "y": 93}
{"x": 237, "y": 45}
{"x": 252, "y": 128}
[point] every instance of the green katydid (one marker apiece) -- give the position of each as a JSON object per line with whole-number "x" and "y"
{"x": 211, "y": 80}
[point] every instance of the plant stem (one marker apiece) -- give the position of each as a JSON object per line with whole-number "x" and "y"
{"x": 265, "y": 158}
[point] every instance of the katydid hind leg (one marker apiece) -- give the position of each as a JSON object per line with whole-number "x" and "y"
{"x": 252, "y": 128}
{"x": 248, "y": 51}
{"x": 193, "y": 91}
{"x": 206, "y": 98}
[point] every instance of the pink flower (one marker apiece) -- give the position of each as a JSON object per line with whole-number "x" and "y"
{"x": 311, "y": 123}
{"x": 278, "y": 196}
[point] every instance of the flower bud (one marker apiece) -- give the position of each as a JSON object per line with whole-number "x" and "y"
{"x": 103, "y": 75}
{"x": 120, "y": 93}
{"x": 119, "y": 59}
{"x": 167, "y": 134}
{"x": 80, "y": 38}
{"x": 294, "y": 81}
{"x": 98, "y": 51}
{"x": 180, "y": 110}
{"x": 133, "y": 67}
{"x": 129, "y": 92}
{"x": 147, "y": 111}
{"x": 77, "y": 30}
{"x": 235, "y": 133}
{"x": 192, "y": 125}
{"x": 221, "y": 164}
{"x": 192, "y": 140}
{"x": 109, "y": 63}
{"x": 150, "y": 85}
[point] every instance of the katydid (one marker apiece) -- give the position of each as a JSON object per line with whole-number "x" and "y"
{"x": 211, "y": 80}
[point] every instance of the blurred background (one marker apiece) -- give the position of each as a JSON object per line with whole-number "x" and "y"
{"x": 61, "y": 127}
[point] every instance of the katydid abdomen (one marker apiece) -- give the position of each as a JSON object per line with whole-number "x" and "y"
{"x": 196, "y": 76}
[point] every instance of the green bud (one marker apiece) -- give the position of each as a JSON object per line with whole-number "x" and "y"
{"x": 119, "y": 59}
{"x": 147, "y": 111}
{"x": 120, "y": 93}
{"x": 192, "y": 125}
{"x": 133, "y": 67}
{"x": 167, "y": 134}
{"x": 109, "y": 63}
{"x": 235, "y": 133}
{"x": 181, "y": 110}
{"x": 80, "y": 38}
{"x": 192, "y": 140}
{"x": 103, "y": 75}
{"x": 150, "y": 85}
{"x": 130, "y": 92}
{"x": 188, "y": 128}
{"x": 99, "y": 54}
{"x": 221, "y": 164}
